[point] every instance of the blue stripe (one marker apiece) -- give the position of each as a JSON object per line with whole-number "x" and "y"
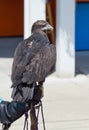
{"x": 1, "y": 100}
{"x": 82, "y": 26}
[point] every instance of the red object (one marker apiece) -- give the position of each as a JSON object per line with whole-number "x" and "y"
{"x": 11, "y": 17}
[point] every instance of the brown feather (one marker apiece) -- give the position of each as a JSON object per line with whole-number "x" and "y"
{"x": 34, "y": 59}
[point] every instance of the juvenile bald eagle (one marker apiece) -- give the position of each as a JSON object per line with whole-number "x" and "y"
{"x": 34, "y": 58}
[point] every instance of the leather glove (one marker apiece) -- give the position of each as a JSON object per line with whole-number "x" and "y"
{"x": 11, "y": 111}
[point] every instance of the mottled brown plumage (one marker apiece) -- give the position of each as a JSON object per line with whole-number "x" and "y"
{"x": 34, "y": 57}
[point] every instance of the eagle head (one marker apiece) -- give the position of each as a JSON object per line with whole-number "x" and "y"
{"x": 41, "y": 25}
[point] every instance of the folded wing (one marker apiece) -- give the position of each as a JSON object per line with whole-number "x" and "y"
{"x": 41, "y": 65}
{"x": 25, "y": 52}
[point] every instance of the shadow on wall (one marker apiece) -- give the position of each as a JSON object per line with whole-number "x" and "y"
{"x": 82, "y": 62}
{"x": 8, "y": 46}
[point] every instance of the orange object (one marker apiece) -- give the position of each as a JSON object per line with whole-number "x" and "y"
{"x": 11, "y": 17}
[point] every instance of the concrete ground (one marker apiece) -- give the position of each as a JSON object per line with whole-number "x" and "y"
{"x": 65, "y": 102}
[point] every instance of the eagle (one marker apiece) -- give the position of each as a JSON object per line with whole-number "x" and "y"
{"x": 34, "y": 59}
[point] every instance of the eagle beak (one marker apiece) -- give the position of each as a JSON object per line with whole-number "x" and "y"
{"x": 47, "y": 27}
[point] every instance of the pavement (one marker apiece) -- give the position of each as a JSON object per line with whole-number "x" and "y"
{"x": 65, "y": 102}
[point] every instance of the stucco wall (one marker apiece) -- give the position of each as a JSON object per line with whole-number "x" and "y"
{"x": 65, "y": 38}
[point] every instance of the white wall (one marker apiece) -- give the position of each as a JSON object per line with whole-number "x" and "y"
{"x": 65, "y": 40}
{"x": 65, "y": 34}
{"x": 33, "y": 11}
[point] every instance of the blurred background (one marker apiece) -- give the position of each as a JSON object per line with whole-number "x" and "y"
{"x": 12, "y": 28}
{"x": 66, "y": 100}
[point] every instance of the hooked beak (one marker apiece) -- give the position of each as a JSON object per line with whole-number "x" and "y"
{"x": 47, "y": 27}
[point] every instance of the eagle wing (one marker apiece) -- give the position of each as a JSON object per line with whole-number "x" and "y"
{"x": 24, "y": 53}
{"x": 41, "y": 65}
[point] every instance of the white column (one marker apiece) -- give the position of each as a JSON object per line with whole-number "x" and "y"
{"x": 65, "y": 40}
{"x": 33, "y": 10}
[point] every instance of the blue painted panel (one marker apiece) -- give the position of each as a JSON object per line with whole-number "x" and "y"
{"x": 82, "y": 26}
